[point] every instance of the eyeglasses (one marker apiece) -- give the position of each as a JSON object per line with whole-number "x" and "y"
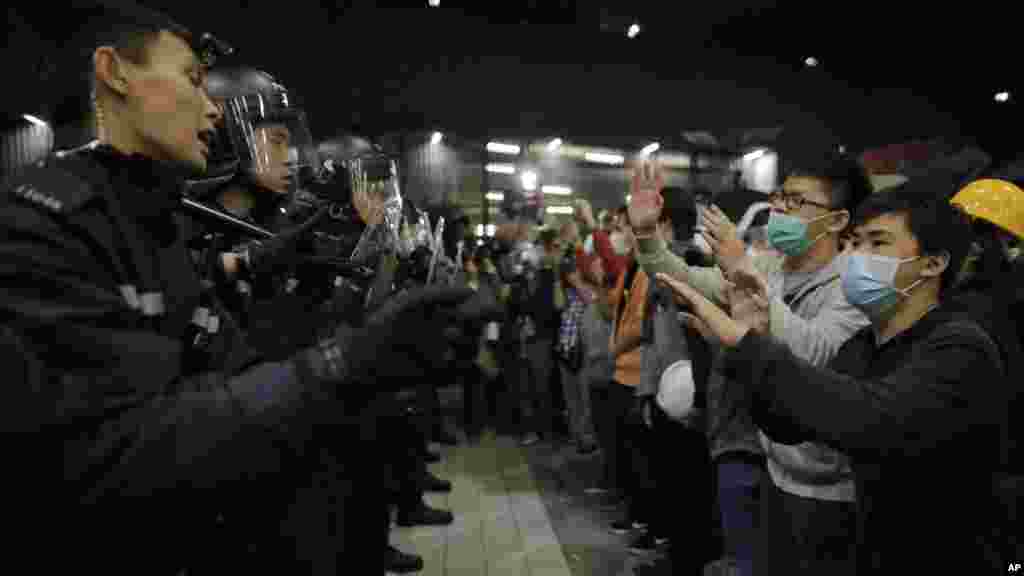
{"x": 794, "y": 200}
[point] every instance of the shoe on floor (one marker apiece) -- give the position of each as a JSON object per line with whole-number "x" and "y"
{"x": 424, "y": 515}
{"x": 648, "y": 543}
{"x": 401, "y": 563}
{"x": 529, "y": 440}
{"x": 432, "y": 483}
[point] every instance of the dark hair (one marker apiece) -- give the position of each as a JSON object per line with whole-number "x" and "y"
{"x": 848, "y": 184}
{"x": 937, "y": 226}
{"x": 680, "y": 208}
{"x": 131, "y": 29}
{"x": 547, "y": 236}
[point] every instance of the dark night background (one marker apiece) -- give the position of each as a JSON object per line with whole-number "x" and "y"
{"x": 536, "y": 69}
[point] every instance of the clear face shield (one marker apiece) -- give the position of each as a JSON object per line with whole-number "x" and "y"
{"x": 271, "y": 137}
{"x": 374, "y": 183}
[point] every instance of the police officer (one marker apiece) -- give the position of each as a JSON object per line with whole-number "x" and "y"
{"x": 97, "y": 290}
{"x": 251, "y": 175}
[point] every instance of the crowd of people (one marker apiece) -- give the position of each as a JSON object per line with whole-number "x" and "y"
{"x": 818, "y": 381}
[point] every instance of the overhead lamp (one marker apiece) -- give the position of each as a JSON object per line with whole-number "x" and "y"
{"x": 495, "y": 196}
{"x": 556, "y": 190}
{"x": 529, "y": 178}
{"x": 811, "y": 62}
{"x": 633, "y": 31}
{"x": 560, "y": 210}
{"x": 434, "y": 3}
{"x": 751, "y": 156}
{"x": 600, "y": 158}
{"x": 488, "y": 230}
{"x": 554, "y": 144}
{"x": 628, "y": 198}
{"x": 34, "y": 119}
{"x": 650, "y": 148}
{"x": 499, "y": 148}
{"x": 436, "y": 138}
{"x": 1003, "y": 97}
{"x": 501, "y": 168}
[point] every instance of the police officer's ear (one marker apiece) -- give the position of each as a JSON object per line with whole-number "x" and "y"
{"x": 110, "y": 70}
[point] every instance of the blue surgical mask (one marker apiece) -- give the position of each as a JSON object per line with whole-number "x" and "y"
{"x": 869, "y": 283}
{"x": 788, "y": 234}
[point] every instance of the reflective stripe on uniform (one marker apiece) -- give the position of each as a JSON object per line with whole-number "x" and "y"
{"x": 130, "y": 296}
{"x": 201, "y": 317}
{"x": 152, "y": 303}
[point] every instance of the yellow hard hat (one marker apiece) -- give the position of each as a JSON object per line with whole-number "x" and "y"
{"x": 996, "y": 201}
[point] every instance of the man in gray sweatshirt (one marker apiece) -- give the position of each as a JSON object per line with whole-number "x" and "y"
{"x": 806, "y": 513}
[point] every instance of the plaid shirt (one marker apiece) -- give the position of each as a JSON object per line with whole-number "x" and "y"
{"x": 572, "y": 318}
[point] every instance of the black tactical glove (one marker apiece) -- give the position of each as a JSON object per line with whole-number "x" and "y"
{"x": 406, "y": 340}
{"x": 262, "y": 256}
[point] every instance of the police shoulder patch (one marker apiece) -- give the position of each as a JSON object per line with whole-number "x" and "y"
{"x": 50, "y": 187}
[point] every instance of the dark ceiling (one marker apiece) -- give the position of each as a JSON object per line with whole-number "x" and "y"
{"x": 556, "y": 67}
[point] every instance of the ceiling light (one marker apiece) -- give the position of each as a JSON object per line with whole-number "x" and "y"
{"x": 559, "y": 209}
{"x": 633, "y": 31}
{"x": 33, "y": 119}
{"x": 434, "y": 3}
{"x": 501, "y": 168}
{"x": 436, "y": 138}
{"x": 554, "y": 144}
{"x": 1003, "y": 97}
{"x": 499, "y": 148}
{"x": 650, "y": 148}
{"x": 811, "y": 62}
{"x": 751, "y": 156}
{"x": 529, "y": 178}
{"x": 496, "y": 196}
{"x": 628, "y": 198}
{"x": 600, "y": 158}
{"x": 557, "y": 190}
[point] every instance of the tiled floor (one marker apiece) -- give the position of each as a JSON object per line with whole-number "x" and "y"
{"x": 520, "y": 512}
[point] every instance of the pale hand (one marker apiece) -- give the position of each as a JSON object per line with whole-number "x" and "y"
{"x": 369, "y": 206}
{"x": 720, "y": 233}
{"x": 646, "y": 202}
{"x": 707, "y": 318}
{"x": 747, "y": 294}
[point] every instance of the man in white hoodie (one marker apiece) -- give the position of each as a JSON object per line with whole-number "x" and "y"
{"x": 806, "y": 511}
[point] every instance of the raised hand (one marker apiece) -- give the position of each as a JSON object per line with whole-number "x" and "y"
{"x": 704, "y": 316}
{"x": 747, "y": 295}
{"x": 645, "y": 201}
{"x": 720, "y": 233}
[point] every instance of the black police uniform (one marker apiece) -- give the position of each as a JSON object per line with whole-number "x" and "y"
{"x": 98, "y": 291}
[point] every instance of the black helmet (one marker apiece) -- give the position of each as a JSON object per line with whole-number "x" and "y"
{"x": 264, "y": 133}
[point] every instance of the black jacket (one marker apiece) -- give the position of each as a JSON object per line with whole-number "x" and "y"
{"x": 97, "y": 292}
{"x": 918, "y": 417}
